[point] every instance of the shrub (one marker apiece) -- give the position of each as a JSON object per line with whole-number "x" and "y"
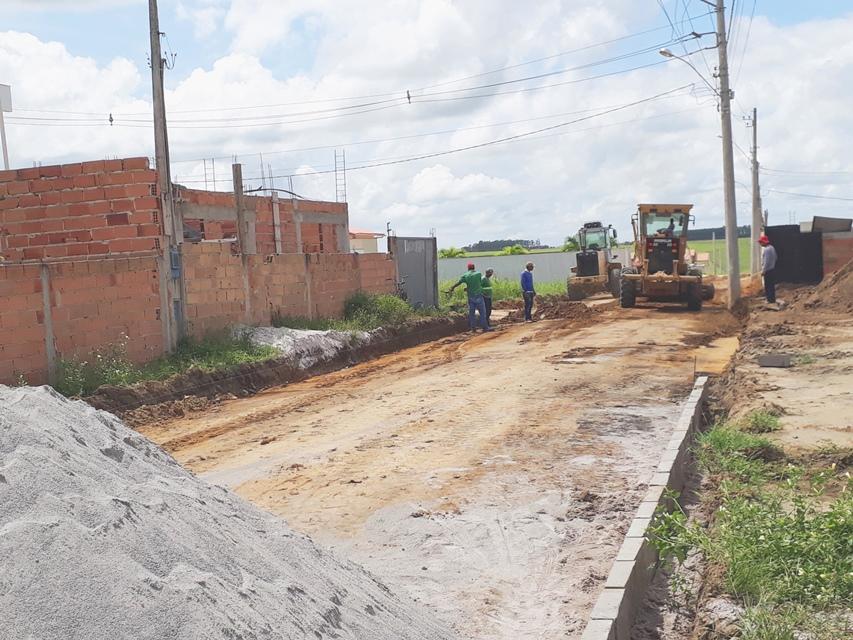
{"x": 761, "y": 421}
{"x": 514, "y": 250}
{"x": 107, "y": 365}
{"x": 451, "y": 252}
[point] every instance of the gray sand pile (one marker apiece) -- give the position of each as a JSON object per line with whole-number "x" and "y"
{"x": 104, "y": 536}
{"x": 307, "y": 347}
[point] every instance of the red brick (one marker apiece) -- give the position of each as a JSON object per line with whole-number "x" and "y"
{"x": 96, "y": 166}
{"x": 93, "y": 194}
{"x": 50, "y": 197}
{"x": 112, "y": 165}
{"x": 8, "y": 175}
{"x": 113, "y": 233}
{"x": 55, "y": 251}
{"x": 69, "y": 170}
{"x": 115, "y": 219}
{"x": 9, "y": 202}
{"x": 135, "y": 163}
{"x": 149, "y": 176}
{"x": 84, "y": 222}
{"x": 72, "y": 196}
{"x": 77, "y": 249}
{"x": 144, "y": 230}
{"x": 60, "y": 211}
{"x": 52, "y": 171}
{"x": 138, "y": 190}
{"x": 33, "y": 253}
{"x": 28, "y": 174}
{"x": 18, "y": 187}
{"x": 146, "y": 203}
{"x": 97, "y": 248}
{"x": 29, "y": 200}
{"x": 84, "y": 181}
{"x": 115, "y": 193}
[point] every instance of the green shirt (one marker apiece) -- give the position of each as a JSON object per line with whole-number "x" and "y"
{"x": 473, "y": 281}
{"x": 487, "y": 287}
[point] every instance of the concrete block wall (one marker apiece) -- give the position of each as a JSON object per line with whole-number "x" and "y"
{"x": 76, "y": 307}
{"x": 82, "y": 209}
{"x": 837, "y": 251}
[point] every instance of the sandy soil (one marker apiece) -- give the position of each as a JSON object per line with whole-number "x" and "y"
{"x": 491, "y": 478}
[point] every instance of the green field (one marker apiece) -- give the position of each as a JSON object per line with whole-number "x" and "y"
{"x": 481, "y": 254}
{"x": 718, "y": 263}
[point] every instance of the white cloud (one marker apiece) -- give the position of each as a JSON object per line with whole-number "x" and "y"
{"x": 437, "y": 184}
{"x": 544, "y": 186}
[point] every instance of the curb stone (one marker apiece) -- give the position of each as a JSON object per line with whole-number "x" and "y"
{"x": 636, "y": 562}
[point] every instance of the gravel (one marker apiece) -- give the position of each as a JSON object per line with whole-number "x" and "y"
{"x": 103, "y": 535}
{"x": 307, "y": 347}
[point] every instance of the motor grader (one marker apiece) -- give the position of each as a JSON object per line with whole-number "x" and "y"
{"x": 595, "y": 270}
{"x": 659, "y": 269}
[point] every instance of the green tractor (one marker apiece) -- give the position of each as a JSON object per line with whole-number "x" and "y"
{"x": 596, "y": 270}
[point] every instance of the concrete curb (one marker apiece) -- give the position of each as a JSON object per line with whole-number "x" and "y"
{"x": 636, "y": 563}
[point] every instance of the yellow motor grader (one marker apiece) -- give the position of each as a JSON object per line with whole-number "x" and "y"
{"x": 659, "y": 270}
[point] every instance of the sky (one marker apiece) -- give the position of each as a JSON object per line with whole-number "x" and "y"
{"x": 472, "y": 119}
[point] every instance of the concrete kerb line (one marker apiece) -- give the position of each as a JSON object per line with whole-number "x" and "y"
{"x": 636, "y": 562}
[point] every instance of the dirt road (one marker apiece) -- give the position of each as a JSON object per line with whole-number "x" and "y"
{"x": 490, "y": 477}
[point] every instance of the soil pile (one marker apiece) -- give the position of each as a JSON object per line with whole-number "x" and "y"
{"x": 833, "y": 294}
{"x": 556, "y": 307}
{"x": 103, "y": 535}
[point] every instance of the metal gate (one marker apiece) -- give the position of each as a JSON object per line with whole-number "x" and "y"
{"x": 417, "y": 268}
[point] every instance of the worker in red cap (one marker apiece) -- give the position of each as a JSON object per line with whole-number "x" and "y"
{"x": 473, "y": 281}
{"x": 768, "y": 267}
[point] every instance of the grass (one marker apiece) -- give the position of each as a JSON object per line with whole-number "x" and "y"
{"x": 761, "y": 421}
{"x": 784, "y": 544}
{"x": 718, "y": 264}
{"x": 502, "y": 290}
{"x": 111, "y": 366}
{"x": 482, "y": 254}
{"x": 362, "y": 312}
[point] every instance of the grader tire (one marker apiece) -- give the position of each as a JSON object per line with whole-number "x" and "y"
{"x": 627, "y": 293}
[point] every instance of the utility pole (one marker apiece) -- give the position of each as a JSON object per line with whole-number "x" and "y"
{"x": 757, "y": 219}
{"x": 728, "y": 157}
{"x": 173, "y": 228}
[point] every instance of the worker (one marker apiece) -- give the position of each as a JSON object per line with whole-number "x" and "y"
{"x": 527, "y": 291}
{"x": 473, "y": 281}
{"x": 487, "y": 294}
{"x": 670, "y": 230}
{"x": 768, "y": 268}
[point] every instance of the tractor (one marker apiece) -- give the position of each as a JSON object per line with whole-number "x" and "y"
{"x": 660, "y": 271}
{"x": 595, "y": 269}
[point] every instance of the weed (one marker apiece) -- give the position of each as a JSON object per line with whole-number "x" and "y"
{"x": 21, "y": 380}
{"x": 805, "y": 359}
{"x": 734, "y": 454}
{"x": 107, "y": 365}
{"x": 502, "y": 289}
{"x": 761, "y": 421}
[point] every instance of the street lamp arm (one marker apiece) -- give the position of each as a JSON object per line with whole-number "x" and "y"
{"x": 666, "y": 53}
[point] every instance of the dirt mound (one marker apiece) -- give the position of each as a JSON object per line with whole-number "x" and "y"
{"x": 834, "y": 293}
{"x": 105, "y": 536}
{"x": 556, "y": 307}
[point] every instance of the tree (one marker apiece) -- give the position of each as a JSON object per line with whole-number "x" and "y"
{"x": 451, "y": 252}
{"x": 571, "y": 244}
{"x": 514, "y": 250}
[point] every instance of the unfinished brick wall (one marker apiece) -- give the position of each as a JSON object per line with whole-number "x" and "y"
{"x": 92, "y": 304}
{"x": 81, "y": 209}
{"x": 305, "y": 285}
{"x": 837, "y": 251}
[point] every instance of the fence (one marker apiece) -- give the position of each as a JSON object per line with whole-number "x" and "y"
{"x": 550, "y": 267}
{"x": 82, "y": 263}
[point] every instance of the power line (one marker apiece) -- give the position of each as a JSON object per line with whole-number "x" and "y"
{"x": 746, "y": 41}
{"x": 809, "y": 195}
{"x": 795, "y": 172}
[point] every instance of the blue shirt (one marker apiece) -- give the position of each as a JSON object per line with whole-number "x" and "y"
{"x": 527, "y": 280}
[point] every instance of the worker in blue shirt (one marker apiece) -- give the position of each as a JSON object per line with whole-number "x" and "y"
{"x": 527, "y": 291}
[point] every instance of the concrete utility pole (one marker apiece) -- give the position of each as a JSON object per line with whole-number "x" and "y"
{"x": 173, "y": 228}
{"x": 757, "y": 218}
{"x": 5, "y": 105}
{"x": 728, "y": 157}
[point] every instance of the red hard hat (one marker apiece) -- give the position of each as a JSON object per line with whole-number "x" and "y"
{"x": 470, "y": 265}
{"x": 763, "y": 239}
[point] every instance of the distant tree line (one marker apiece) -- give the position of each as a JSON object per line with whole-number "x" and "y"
{"x": 498, "y": 245}
{"x": 719, "y": 232}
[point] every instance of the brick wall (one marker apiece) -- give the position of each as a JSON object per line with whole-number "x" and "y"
{"x": 93, "y": 303}
{"x": 82, "y": 209}
{"x": 306, "y": 285}
{"x": 837, "y": 251}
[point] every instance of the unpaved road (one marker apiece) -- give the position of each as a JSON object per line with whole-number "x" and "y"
{"x": 490, "y": 477}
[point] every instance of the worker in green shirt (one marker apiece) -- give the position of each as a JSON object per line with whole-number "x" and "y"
{"x": 473, "y": 281}
{"x": 487, "y": 294}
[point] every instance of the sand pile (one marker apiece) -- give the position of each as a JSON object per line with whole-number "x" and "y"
{"x": 306, "y": 347}
{"x": 834, "y": 293}
{"x": 554, "y": 307}
{"x": 104, "y": 536}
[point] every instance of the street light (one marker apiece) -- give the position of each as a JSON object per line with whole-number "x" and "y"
{"x": 725, "y": 95}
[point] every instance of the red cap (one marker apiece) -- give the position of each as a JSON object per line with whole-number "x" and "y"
{"x": 470, "y": 265}
{"x": 763, "y": 239}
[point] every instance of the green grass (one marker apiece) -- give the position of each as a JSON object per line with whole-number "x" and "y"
{"x": 110, "y": 365}
{"x": 718, "y": 264}
{"x": 785, "y": 545}
{"x": 761, "y": 421}
{"x": 362, "y": 312}
{"x": 502, "y": 290}
{"x": 483, "y": 254}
